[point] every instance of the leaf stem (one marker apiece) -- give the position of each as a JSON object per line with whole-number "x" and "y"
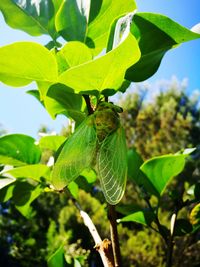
{"x": 160, "y": 229}
{"x": 171, "y": 238}
{"x": 89, "y": 107}
{"x": 114, "y": 235}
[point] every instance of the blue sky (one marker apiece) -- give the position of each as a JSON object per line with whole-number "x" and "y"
{"x": 21, "y": 113}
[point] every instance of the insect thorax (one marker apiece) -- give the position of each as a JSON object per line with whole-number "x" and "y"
{"x": 106, "y": 119}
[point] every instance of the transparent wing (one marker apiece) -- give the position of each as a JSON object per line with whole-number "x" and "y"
{"x": 76, "y": 155}
{"x": 112, "y": 166}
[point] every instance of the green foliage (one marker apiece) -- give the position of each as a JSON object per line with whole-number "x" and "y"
{"x": 156, "y": 34}
{"x": 24, "y": 62}
{"x": 33, "y": 18}
{"x": 18, "y": 150}
{"x": 133, "y": 46}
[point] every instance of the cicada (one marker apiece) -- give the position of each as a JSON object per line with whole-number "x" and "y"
{"x": 99, "y": 143}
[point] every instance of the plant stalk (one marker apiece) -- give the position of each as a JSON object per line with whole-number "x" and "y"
{"x": 114, "y": 235}
{"x": 89, "y": 107}
{"x": 171, "y": 239}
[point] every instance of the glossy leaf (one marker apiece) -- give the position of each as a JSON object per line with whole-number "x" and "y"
{"x": 52, "y": 142}
{"x": 24, "y": 62}
{"x": 57, "y": 259}
{"x": 67, "y": 102}
{"x": 23, "y": 200}
{"x": 33, "y": 17}
{"x": 75, "y": 53}
{"x": 34, "y": 172}
{"x": 18, "y": 150}
{"x": 156, "y": 34}
{"x": 108, "y": 11}
{"x": 104, "y": 72}
{"x": 136, "y": 175}
{"x": 71, "y": 19}
{"x": 112, "y": 166}
{"x": 161, "y": 169}
{"x": 141, "y": 216}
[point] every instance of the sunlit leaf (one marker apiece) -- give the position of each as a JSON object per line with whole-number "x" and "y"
{"x": 33, "y": 17}
{"x": 57, "y": 259}
{"x": 142, "y": 217}
{"x": 52, "y": 142}
{"x": 18, "y": 150}
{"x": 34, "y": 172}
{"x": 24, "y": 62}
{"x": 161, "y": 169}
{"x": 75, "y": 53}
{"x": 156, "y": 34}
{"x": 103, "y": 72}
{"x": 71, "y": 19}
{"x": 136, "y": 175}
{"x": 100, "y": 23}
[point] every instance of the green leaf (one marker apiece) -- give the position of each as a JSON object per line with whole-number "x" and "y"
{"x": 99, "y": 28}
{"x": 161, "y": 169}
{"x": 34, "y": 172}
{"x": 136, "y": 175}
{"x": 52, "y": 142}
{"x": 156, "y": 34}
{"x": 6, "y": 193}
{"x": 104, "y": 72}
{"x": 23, "y": 195}
{"x": 140, "y": 216}
{"x": 195, "y": 215}
{"x": 4, "y": 181}
{"x": 57, "y": 259}
{"x": 71, "y": 19}
{"x": 127, "y": 209}
{"x": 68, "y": 103}
{"x": 75, "y": 53}
{"x": 73, "y": 188}
{"x": 18, "y": 150}
{"x": 24, "y": 62}
{"x": 89, "y": 175}
{"x": 33, "y": 17}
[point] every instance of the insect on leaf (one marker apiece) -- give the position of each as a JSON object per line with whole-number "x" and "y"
{"x": 112, "y": 166}
{"x": 76, "y": 155}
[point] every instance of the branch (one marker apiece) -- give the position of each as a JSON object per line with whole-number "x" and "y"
{"x": 114, "y": 235}
{"x": 103, "y": 247}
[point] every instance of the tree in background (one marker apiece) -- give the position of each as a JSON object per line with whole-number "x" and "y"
{"x": 163, "y": 123}
{"x": 160, "y": 124}
{"x": 143, "y": 119}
